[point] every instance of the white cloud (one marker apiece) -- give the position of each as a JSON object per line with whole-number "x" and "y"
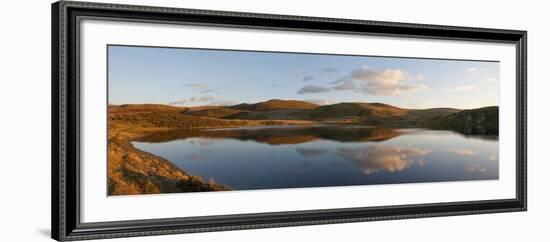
{"x": 463, "y": 88}
{"x": 388, "y": 82}
{"x": 205, "y": 100}
{"x": 464, "y": 152}
{"x": 475, "y": 70}
{"x": 345, "y": 85}
{"x": 198, "y": 85}
{"x": 180, "y": 102}
{"x": 308, "y": 78}
{"x": 312, "y": 89}
{"x": 477, "y": 168}
{"x": 419, "y": 77}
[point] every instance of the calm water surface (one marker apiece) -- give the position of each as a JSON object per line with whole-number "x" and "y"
{"x": 289, "y": 157}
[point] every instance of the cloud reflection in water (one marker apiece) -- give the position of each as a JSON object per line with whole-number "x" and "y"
{"x": 374, "y": 158}
{"x": 311, "y": 152}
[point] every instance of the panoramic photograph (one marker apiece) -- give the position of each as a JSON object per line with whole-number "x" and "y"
{"x": 197, "y": 120}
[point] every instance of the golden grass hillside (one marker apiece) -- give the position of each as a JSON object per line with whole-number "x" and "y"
{"x": 132, "y": 171}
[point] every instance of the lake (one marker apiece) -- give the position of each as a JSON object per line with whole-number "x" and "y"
{"x": 316, "y": 156}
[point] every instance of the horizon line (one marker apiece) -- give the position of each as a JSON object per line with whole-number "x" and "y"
{"x": 252, "y": 103}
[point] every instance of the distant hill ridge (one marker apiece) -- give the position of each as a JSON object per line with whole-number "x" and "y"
{"x": 144, "y": 108}
{"x": 275, "y": 104}
{"x": 473, "y": 121}
{"x": 339, "y": 110}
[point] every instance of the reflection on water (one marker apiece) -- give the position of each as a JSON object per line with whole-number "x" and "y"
{"x": 376, "y": 157}
{"x": 311, "y": 152}
{"x": 313, "y": 156}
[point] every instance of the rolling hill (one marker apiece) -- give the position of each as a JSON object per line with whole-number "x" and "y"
{"x": 143, "y": 108}
{"x": 132, "y": 171}
{"x": 277, "y": 111}
{"x": 216, "y": 112}
{"x": 275, "y": 104}
{"x": 353, "y": 112}
{"x": 339, "y": 113}
{"x": 473, "y": 121}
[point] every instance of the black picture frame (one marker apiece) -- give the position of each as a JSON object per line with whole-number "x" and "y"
{"x": 65, "y": 221}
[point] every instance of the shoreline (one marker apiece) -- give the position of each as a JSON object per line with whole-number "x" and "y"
{"x": 132, "y": 171}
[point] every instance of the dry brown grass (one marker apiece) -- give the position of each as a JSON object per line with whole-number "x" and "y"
{"x": 132, "y": 171}
{"x": 276, "y": 104}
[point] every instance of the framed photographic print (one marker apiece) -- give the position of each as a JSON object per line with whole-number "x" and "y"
{"x": 171, "y": 120}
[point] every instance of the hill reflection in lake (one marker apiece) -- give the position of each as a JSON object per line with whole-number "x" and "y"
{"x": 315, "y": 156}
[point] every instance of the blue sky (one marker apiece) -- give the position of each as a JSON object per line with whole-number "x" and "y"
{"x": 196, "y": 77}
